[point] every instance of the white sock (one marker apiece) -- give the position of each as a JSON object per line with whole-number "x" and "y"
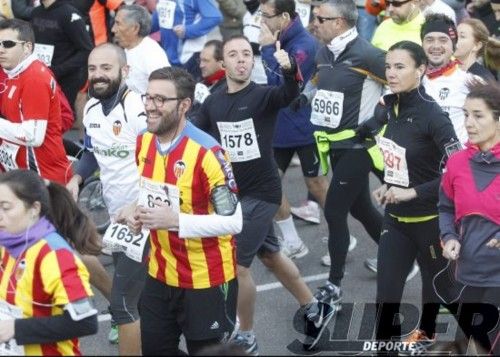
{"x": 289, "y": 232}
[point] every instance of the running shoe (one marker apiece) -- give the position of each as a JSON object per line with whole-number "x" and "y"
{"x": 326, "y": 261}
{"x": 294, "y": 252}
{"x": 317, "y": 316}
{"x": 113, "y": 334}
{"x": 371, "y": 264}
{"x": 329, "y": 294}
{"x": 417, "y": 343}
{"x": 250, "y": 346}
{"x": 308, "y": 212}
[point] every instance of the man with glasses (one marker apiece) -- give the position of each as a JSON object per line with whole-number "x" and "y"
{"x": 404, "y": 24}
{"x": 113, "y": 118}
{"x": 187, "y": 199}
{"x": 30, "y": 127}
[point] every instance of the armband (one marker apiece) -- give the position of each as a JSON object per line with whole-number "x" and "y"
{"x": 224, "y": 200}
{"x": 80, "y": 309}
{"x": 452, "y": 147}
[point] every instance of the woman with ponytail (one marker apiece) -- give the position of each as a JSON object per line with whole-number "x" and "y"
{"x": 44, "y": 286}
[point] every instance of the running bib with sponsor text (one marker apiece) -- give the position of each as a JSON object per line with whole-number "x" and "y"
{"x": 327, "y": 107}
{"x": 9, "y": 312}
{"x": 8, "y": 154}
{"x": 44, "y": 53}
{"x": 166, "y": 11}
{"x": 239, "y": 140}
{"x": 304, "y": 11}
{"x": 395, "y": 167}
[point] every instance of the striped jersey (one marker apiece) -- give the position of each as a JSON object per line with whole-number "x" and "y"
{"x": 41, "y": 281}
{"x": 194, "y": 164}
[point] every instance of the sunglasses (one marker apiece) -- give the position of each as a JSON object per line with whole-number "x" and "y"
{"x": 9, "y": 43}
{"x": 322, "y": 19}
{"x": 396, "y": 3}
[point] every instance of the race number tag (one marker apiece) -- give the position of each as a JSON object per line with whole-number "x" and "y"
{"x": 166, "y": 11}
{"x": 119, "y": 239}
{"x": 304, "y": 11}
{"x": 395, "y": 168}
{"x": 8, "y": 154}
{"x": 44, "y": 53}
{"x": 327, "y": 108}
{"x": 201, "y": 92}
{"x": 239, "y": 140}
{"x": 152, "y": 191}
{"x": 9, "y": 312}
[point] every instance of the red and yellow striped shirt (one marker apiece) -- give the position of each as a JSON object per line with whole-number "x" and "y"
{"x": 44, "y": 278}
{"x": 195, "y": 164}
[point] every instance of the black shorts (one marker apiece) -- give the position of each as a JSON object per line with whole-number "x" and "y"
{"x": 257, "y": 235}
{"x": 308, "y": 156}
{"x": 198, "y": 314}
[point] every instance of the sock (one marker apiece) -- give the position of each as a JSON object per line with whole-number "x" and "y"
{"x": 289, "y": 232}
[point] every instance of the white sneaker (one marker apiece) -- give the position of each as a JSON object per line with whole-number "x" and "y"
{"x": 294, "y": 252}
{"x": 326, "y": 261}
{"x": 308, "y": 212}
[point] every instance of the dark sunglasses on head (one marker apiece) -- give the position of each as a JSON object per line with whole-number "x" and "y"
{"x": 322, "y": 19}
{"x": 396, "y": 3}
{"x": 9, "y": 43}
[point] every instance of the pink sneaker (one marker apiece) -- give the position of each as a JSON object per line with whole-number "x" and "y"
{"x": 308, "y": 212}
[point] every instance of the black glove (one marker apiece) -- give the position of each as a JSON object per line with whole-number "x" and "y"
{"x": 298, "y": 103}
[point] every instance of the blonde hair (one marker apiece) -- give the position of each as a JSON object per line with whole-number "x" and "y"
{"x": 490, "y": 45}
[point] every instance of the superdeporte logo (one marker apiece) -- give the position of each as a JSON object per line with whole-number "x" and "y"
{"x": 353, "y": 331}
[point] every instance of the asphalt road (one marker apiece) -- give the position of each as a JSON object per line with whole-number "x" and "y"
{"x": 276, "y": 307}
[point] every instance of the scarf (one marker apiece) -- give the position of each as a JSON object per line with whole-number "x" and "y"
{"x": 434, "y": 73}
{"x": 16, "y": 244}
{"x": 339, "y": 43}
{"x": 214, "y": 78}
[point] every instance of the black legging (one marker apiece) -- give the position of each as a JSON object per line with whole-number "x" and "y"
{"x": 348, "y": 192}
{"x": 399, "y": 245}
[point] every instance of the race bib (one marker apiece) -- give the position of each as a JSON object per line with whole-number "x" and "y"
{"x": 201, "y": 92}
{"x": 166, "y": 11}
{"x": 8, "y": 154}
{"x": 44, "y": 53}
{"x": 152, "y": 191}
{"x": 239, "y": 140}
{"x": 327, "y": 108}
{"x": 304, "y": 11}
{"x": 395, "y": 167}
{"x": 9, "y": 312}
{"x": 118, "y": 238}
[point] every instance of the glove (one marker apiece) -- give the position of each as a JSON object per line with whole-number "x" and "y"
{"x": 299, "y": 103}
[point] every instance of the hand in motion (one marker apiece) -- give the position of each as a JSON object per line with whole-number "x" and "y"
{"x": 129, "y": 215}
{"x": 266, "y": 37}
{"x": 494, "y": 243}
{"x": 396, "y": 195}
{"x": 161, "y": 216}
{"x": 6, "y": 330}
{"x": 282, "y": 57}
{"x": 180, "y": 31}
{"x": 379, "y": 194}
{"x": 451, "y": 249}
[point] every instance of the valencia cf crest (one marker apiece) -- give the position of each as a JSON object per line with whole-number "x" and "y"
{"x": 21, "y": 267}
{"x": 117, "y": 127}
{"x": 179, "y": 168}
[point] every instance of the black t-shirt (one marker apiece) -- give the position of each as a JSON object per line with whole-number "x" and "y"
{"x": 243, "y": 122}
{"x": 481, "y": 71}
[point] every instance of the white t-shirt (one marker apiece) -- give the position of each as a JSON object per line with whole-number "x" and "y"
{"x": 143, "y": 59}
{"x": 440, "y": 7}
{"x": 113, "y": 142}
{"x": 449, "y": 91}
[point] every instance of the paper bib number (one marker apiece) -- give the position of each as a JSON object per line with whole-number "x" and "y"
{"x": 119, "y": 239}
{"x": 327, "y": 108}
{"x": 201, "y": 92}
{"x": 9, "y": 312}
{"x": 166, "y": 11}
{"x": 395, "y": 167}
{"x": 8, "y": 154}
{"x": 239, "y": 140}
{"x": 152, "y": 191}
{"x": 304, "y": 11}
{"x": 44, "y": 53}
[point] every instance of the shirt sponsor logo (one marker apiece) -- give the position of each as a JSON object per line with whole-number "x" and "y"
{"x": 116, "y": 150}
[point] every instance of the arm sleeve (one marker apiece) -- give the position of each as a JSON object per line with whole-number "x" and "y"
{"x": 442, "y": 132}
{"x": 79, "y": 36}
{"x": 38, "y": 330}
{"x": 283, "y": 95}
{"x": 210, "y": 17}
{"x": 210, "y": 225}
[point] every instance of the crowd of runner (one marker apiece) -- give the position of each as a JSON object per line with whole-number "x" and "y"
{"x": 188, "y": 114}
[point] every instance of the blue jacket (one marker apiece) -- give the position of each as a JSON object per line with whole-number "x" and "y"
{"x": 292, "y": 128}
{"x": 185, "y": 13}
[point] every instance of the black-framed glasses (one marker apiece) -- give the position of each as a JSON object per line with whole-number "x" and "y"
{"x": 322, "y": 19}
{"x": 396, "y": 3}
{"x": 9, "y": 43}
{"x": 158, "y": 100}
{"x": 267, "y": 16}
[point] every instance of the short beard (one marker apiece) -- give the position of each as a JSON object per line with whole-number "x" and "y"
{"x": 169, "y": 123}
{"x": 113, "y": 87}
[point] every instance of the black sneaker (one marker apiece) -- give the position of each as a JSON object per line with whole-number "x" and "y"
{"x": 329, "y": 294}
{"x": 316, "y": 319}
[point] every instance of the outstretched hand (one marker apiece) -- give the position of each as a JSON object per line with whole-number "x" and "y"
{"x": 282, "y": 57}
